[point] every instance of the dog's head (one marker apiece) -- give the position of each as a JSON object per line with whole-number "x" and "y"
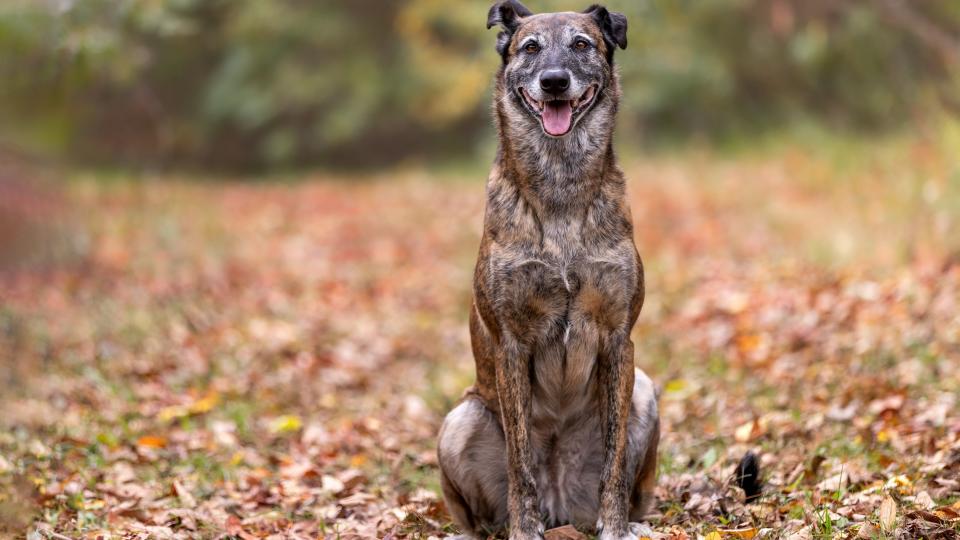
{"x": 557, "y": 67}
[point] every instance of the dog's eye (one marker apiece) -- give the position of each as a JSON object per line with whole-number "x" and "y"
{"x": 532, "y": 47}
{"x": 581, "y": 44}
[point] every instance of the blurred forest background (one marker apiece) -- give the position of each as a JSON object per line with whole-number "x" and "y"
{"x": 249, "y": 85}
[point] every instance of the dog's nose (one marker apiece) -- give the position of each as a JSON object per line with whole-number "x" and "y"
{"x": 554, "y": 81}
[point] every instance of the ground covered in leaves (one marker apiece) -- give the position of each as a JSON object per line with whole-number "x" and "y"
{"x": 250, "y": 360}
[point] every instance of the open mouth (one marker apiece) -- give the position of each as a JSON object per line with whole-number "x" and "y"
{"x": 557, "y": 115}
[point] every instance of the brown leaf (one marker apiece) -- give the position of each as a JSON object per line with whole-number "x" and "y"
{"x": 567, "y": 532}
{"x": 926, "y": 516}
{"x": 234, "y": 527}
{"x": 948, "y": 513}
{"x": 868, "y": 532}
{"x": 351, "y": 478}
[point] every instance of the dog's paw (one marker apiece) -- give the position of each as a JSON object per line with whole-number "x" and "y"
{"x": 533, "y": 531}
{"x": 642, "y": 530}
{"x": 635, "y": 531}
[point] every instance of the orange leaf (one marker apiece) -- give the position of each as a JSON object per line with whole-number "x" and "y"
{"x": 152, "y": 441}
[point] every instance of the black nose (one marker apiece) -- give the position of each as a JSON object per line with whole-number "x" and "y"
{"x": 554, "y": 81}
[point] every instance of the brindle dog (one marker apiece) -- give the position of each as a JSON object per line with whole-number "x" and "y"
{"x": 560, "y": 427}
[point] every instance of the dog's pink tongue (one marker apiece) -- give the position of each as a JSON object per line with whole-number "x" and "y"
{"x": 556, "y": 117}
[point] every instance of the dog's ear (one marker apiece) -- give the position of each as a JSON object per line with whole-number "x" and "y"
{"x": 612, "y": 24}
{"x": 507, "y": 14}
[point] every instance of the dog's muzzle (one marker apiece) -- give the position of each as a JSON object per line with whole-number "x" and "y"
{"x": 556, "y": 115}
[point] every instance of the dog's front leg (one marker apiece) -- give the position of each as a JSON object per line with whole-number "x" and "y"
{"x": 616, "y": 374}
{"x": 513, "y": 389}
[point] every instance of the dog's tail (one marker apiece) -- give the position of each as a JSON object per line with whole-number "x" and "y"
{"x": 748, "y": 477}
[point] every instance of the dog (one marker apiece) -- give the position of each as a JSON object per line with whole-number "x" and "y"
{"x": 560, "y": 427}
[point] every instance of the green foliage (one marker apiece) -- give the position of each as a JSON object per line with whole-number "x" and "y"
{"x": 250, "y": 83}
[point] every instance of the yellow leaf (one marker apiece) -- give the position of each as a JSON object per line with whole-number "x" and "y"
{"x": 201, "y": 406}
{"x": 713, "y": 536}
{"x": 745, "y": 533}
{"x": 152, "y": 441}
{"x": 675, "y": 385}
{"x": 888, "y": 513}
{"x": 286, "y": 424}
{"x": 167, "y": 414}
{"x": 898, "y": 482}
{"x": 358, "y": 460}
{"x": 206, "y": 403}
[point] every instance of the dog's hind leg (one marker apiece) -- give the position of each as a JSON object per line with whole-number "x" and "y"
{"x": 472, "y": 456}
{"x": 645, "y": 439}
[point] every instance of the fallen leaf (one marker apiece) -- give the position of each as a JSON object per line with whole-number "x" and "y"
{"x": 567, "y": 532}
{"x": 868, "y": 531}
{"x": 351, "y": 478}
{"x": 900, "y": 482}
{"x": 174, "y": 412}
{"x": 285, "y": 424}
{"x": 331, "y": 484}
{"x": 152, "y": 441}
{"x": 947, "y": 513}
{"x": 357, "y": 499}
{"x": 186, "y": 498}
{"x": 888, "y": 513}
{"x": 748, "y": 431}
{"x": 923, "y": 500}
{"x": 745, "y": 533}
{"x": 674, "y": 385}
{"x": 926, "y": 516}
{"x": 206, "y": 403}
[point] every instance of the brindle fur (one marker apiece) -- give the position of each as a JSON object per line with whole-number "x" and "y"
{"x": 560, "y": 427}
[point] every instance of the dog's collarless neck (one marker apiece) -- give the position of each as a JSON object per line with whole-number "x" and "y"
{"x": 567, "y": 185}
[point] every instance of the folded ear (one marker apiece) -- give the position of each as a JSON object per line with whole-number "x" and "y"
{"x": 507, "y": 14}
{"x": 612, "y": 24}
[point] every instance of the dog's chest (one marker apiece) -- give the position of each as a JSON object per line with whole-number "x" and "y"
{"x": 562, "y": 295}
{"x": 568, "y": 273}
